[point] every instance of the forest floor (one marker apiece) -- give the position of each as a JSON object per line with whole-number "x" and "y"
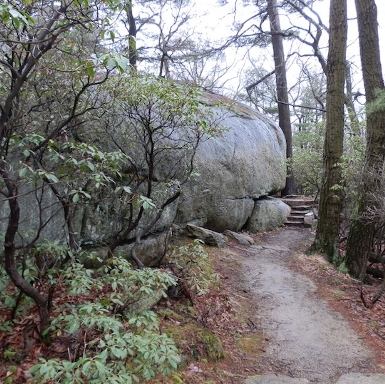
{"x": 283, "y": 311}
{"x": 278, "y": 310}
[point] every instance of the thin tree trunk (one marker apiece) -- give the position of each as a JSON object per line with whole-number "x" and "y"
{"x": 362, "y": 227}
{"x": 10, "y": 252}
{"x": 132, "y": 52}
{"x": 327, "y": 236}
{"x": 349, "y": 102}
{"x": 281, "y": 85}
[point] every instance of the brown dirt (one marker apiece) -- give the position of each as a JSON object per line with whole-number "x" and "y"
{"x": 246, "y": 339}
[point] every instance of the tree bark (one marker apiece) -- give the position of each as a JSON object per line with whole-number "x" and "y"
{"x": 132, "y": 52}
{"x": 362, "y": 227}
{"x": 10, "y": 252}
{"x": 349, "y": 102}
{"x": 327, "y": 236}
{"x": 281, "y": 85}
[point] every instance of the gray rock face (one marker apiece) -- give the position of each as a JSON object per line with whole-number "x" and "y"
{"x": 235, "y": 169}
{"x": 268, "y": 214}
{"x": 206, "y": 235}
{"x": 96, "y": 223}
{"x": 150, "y": 251}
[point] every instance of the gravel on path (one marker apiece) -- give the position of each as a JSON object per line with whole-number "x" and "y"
{"x": 307, "y": 339}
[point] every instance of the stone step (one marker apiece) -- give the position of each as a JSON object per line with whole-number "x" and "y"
{"x": 302, "y": 224}
{"x": 300, "y": 206}
{"x": 298, "y": 201}
{"x": 290, "y": 223}
{"x": 295, "y": 212}
{"x": 293, "y": 218}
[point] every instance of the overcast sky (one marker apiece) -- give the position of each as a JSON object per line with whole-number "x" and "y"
{"x": 217, "y": 21}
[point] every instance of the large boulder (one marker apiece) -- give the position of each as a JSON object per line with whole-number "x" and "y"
{"x": 234, "y": 170}
{"x": 269, "y": 213}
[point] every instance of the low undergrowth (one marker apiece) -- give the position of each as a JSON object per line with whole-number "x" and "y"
{"x": 93, "y": 336}
{"x": 98, "y": 334}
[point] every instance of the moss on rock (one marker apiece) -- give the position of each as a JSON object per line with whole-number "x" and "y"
{"x": 212, "y": 345}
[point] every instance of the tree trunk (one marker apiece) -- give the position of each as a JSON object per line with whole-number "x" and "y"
{"x": 362, "y": 227}
{"x": 281, "y": 85}
{"x": 327, "y": 236}
{"x": 132, "y": 52}
{"x": 10, "y": 250}
{"x": 349, "y": 102}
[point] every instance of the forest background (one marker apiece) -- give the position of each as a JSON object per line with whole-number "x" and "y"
{"x": 73, "y": 67}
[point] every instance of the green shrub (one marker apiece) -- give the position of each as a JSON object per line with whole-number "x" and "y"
{"x": 192, "y": 265}
{"x": 125, "y": 347}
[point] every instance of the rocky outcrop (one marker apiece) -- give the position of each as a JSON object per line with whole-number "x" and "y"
{"x": 234, "y": 170}
{"x": 269, "y": 213}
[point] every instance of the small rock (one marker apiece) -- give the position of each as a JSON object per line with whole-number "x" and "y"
{"x": 308, "y": 219}
{"x": 145, "y": 302}
{"x": 206, "y": 235}
{"x": 242, "y": 239}
{"x": 256, "y": 247}
{"x": 268, "y": 214}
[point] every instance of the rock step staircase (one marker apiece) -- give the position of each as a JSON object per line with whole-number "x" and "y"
{"x": 300, "y": 206}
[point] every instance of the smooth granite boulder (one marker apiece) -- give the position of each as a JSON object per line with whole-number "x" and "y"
{"x": 234, "y": 170}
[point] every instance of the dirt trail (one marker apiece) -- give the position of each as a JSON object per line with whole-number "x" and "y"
{"x": 307, "y": 339}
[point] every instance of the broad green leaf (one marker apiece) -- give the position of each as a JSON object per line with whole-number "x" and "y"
{"x": 44, "y": 368}
{"x": 90, "y": 69}
{"x": 34, "y": 368}
{"x": 147, "y": 203}
{"x": 110, "y": 63}
{"x": 86, "y": 367}
{"x": 51, "y": 177}
{"x": 74, "y": 327}
{"x": 100, "y": 367}
{"x": 90, "y": 165}
{"x": 22, "y": 172}
{"x": 75, "y": 197}
{"x": 85, "y": 194}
